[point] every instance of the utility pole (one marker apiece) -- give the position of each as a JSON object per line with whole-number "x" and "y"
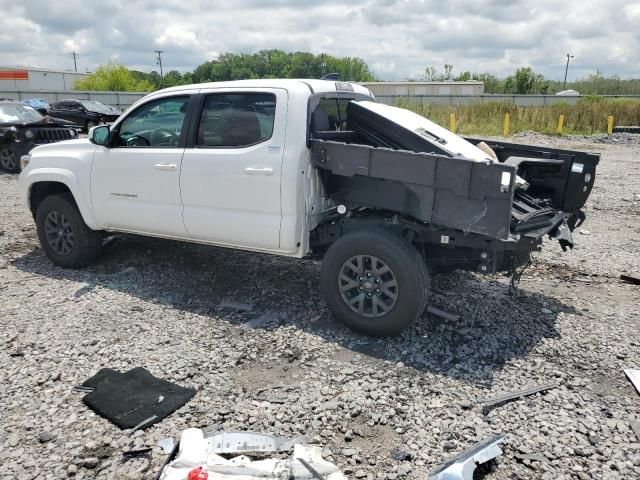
{"x": 159, "y": 62}
{"x": 564, "y": 84}
{"x": 75, "y": 64}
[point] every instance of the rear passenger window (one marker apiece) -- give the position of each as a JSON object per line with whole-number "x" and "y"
{"x": 236, "y": 119}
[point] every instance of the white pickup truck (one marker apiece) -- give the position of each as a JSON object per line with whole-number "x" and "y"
{"x": 308, "y": 168}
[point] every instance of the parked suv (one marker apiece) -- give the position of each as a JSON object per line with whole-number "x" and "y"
{"x": 86, "y": 113}
{"x": 308, "y": 168}
{"x": 22, "y": 128}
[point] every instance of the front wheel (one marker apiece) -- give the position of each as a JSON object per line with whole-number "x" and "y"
{"x": 375, "y": 282}
{"x": 9, "y": 161}
{"x": 64, "y": 236}
{"x": 91, "y": 124}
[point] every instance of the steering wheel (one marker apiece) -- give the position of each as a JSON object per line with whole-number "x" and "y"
{"x": 163, "y": 136}
{"x": 137, "y": 141}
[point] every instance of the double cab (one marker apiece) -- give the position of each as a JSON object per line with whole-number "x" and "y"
{"x": 308, "y": 168}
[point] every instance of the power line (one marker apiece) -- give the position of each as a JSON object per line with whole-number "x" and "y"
{"x": 75, "y": 63}
{"x": 159, "y": 61}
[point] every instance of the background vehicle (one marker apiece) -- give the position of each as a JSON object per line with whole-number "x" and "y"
{"x": 86, "y": 113}
{"x": 22, "y": 128}
{"x": 308, "y": 168}
{"x": 39, "y": 104}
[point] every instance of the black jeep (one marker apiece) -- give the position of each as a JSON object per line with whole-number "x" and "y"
{"x": 22, "y": 128}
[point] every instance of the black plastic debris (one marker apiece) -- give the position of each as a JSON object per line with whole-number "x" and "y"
{"x": 630, "y": 279}
{"x": 488, "y": 405}
{"x": 133, "y": 399}
{"x": 400, "y": 455}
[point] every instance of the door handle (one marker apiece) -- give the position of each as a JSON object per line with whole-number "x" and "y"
{"x": 258, "y": 171}
{"x": 165, "y": 166}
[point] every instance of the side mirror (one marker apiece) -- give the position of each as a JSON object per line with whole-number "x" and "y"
{"x": 99, "y": 135}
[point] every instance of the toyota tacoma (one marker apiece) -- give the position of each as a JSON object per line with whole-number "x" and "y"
{"x": 309, "y": 168}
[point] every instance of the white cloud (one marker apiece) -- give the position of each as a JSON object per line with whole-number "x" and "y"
{"x": 397, "y": 38}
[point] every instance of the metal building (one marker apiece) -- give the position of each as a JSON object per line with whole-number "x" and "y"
{"x": 14, "y": 79}
{"x": 412, "y": 89}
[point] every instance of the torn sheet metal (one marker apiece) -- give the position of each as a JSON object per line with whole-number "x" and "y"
{"x": 634, "y": 376}
{"x": 243, "y": 442}
{"x": 194, "y": 452}
{"x": 462, "y": 466}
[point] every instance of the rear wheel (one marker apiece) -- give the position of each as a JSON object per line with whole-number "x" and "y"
{"x": 375, "y": 282}
{"x": 9, "y": 161}
{"x": 64, "y": 236}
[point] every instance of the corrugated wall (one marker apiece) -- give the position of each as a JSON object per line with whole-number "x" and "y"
{"x": 121, "y": 100}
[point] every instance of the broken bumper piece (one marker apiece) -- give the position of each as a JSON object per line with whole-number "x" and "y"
{"x": 462, "y": 466}
{"x": 199, "y": 452}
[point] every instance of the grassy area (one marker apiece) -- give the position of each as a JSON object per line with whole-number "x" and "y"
{"x": 587, "y": 117}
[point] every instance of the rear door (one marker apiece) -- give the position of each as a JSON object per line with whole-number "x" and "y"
{"x": 231, "y": 171}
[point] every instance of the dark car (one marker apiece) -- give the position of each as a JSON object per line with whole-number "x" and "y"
{"x": 86, "y": 113}
{"x": 39, "y": 104}
{"x": 22, "y": 128}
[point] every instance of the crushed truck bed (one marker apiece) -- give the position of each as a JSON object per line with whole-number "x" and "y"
{"x": 393, "y": 159}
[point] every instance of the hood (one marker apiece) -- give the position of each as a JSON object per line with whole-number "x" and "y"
{"x": 53, "y": 148}
{"x": 43, "y": 122}
{"x": 53, "y": 122}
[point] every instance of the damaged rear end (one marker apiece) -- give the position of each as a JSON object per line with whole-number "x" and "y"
{"x": 483, "y": 209}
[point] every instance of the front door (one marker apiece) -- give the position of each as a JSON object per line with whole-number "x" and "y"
{"x": 230, "y": 179}
{"x": 136, "y": 180}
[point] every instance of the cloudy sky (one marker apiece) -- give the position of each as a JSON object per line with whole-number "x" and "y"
{"x": 397, "y": 38}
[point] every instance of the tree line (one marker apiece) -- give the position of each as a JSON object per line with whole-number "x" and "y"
{"x": 230, "y": 66}
{"x": 280, "y": 64}
{"x": 526, "y": 81}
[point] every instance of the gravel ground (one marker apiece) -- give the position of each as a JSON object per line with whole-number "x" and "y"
{"x": 383, "y": 409}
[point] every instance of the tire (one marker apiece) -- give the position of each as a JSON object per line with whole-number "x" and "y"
{"x": 9, "y": 161}
{"x": 341, "y": 283}
{"x": 91, "y": 124}
{"x": 75, "y": 245}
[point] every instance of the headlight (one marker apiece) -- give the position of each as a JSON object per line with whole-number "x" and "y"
{"x": 29, "y": 134}
{"x": 24, "y": 161}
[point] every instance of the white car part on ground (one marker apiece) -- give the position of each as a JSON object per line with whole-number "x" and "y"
{"x": 462, "y": 466}
{"x": 195, "y": 451}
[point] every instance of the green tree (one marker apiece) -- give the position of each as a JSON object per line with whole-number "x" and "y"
{"x": 113, "y": 77}
{"x": 522, "y": 82}
{"x": 172, "y": 78}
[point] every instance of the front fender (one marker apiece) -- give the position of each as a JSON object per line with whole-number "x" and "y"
{"x": 29, "y": 177}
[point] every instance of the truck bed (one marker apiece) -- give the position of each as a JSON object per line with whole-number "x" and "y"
{"x": 379, "y": 164}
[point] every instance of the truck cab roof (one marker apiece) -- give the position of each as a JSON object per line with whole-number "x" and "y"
{"x": 312, "y": 85}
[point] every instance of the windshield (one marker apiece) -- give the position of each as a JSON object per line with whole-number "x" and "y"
{"x": 96, "y": 107}
{"x": 18, "y": 113}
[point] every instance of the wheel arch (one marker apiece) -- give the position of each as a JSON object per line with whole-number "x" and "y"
{"x": 330, "y": 231}
{"x": 40, "y": 185}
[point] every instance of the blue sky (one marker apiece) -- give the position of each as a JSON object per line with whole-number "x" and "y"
{"x": 397, "y": 38}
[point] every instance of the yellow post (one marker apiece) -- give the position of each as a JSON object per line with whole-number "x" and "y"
{"x": 560, "y": 124}
{"x": 452, "y": 122}
{"x": 610, "y": 124}
{"x": 505, "y": 126}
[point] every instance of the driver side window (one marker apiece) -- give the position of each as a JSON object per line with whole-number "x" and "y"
{"x": 156, "y": 124}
